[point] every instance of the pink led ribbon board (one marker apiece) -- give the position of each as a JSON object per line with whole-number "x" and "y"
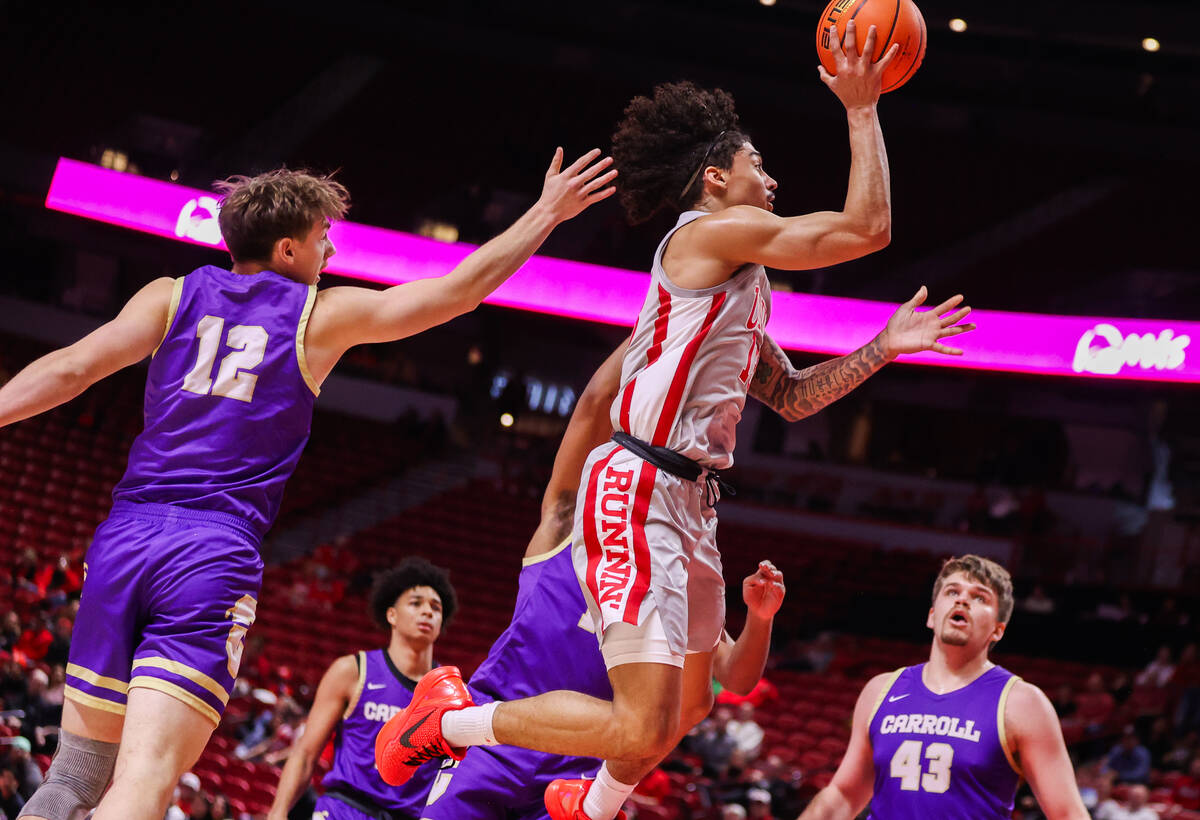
{"x": 1095, "y": 347}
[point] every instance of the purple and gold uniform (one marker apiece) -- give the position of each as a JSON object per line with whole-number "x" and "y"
{"x": 945, "y": 755}
{"x": 549, "y": 645}
{"x": 172, "y": 576}
{"x": 382, "y": 691}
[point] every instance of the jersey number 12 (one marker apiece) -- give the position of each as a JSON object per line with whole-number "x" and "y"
{"x": 249, "y": 342}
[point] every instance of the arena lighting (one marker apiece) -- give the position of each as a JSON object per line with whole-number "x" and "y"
{"x": 958, "y": 25}
{"x": 507, "y": 420}
{"x": 1142, "y": 349}
{"x": 1150, "y": 44}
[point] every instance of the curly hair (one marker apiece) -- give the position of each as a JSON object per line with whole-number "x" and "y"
{"x": 390, "y": 584}
{"x": 258, "y": 211}
{"x": 663, "y": 140}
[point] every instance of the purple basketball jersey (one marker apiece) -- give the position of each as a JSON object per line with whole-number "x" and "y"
{"x": 943, "y": 755}
{"x": 229, "y": 399}
{"x": 550, "y": 623}
{"x": 549, "y": 645}
{"x": 382, "y": 692}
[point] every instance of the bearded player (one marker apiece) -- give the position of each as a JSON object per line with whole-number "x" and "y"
{"x": 953, "y": 737}
{"x": 173, "y": 574}
{"x": 413, "y": 601}
{"x": 550, "y": 624}
{"x": 644, "y": 538}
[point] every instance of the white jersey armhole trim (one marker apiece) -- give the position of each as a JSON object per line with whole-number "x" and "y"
{"x": 1000, "y": 727}
{"x": 361, "y": 658}
{"x": 887, "y": 687}
{"x": 546, "y": 556}
{"x": 301, "y": 330}
{"x": 176, "y": 295}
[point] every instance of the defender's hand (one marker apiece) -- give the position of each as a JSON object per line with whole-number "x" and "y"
{"x": 764, "y": 590}
{"x": 858, "y": 80}
{"x": 567, "y": 192}
{"x": 909, "y": 331}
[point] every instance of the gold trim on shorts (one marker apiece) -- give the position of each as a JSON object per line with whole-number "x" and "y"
{"x": 178, "y": 692}
{"x": 95, "y": 679}
{"x": 194, "y": 675}
{"x": 84, "y": 699}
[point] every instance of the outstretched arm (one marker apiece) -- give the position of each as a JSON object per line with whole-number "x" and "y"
{"x": 796, "y": 394}
{"x": 749, "y": 234}
{"x": 348, "y": 316}
{"x": 738, "y": 665}
{"x": 62, "y": 375}
{"x": 588, "y": 428}
{"x": 1037, "y": 739}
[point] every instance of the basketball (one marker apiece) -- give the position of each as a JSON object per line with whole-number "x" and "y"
{"x": 895, "y": 21}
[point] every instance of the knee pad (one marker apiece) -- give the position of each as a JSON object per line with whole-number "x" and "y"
{"x": 76, "y": 781}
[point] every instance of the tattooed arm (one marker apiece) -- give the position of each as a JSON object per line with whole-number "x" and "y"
{"x": 795, "y": 394}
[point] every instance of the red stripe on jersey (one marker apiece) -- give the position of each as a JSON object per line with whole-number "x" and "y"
{"x": 660, "y": 326}
{"x": 641, "y": 551}
{"x": 675, "y": 394}
{"x": 591, "y": 525}
{"x": 652, "y": 354}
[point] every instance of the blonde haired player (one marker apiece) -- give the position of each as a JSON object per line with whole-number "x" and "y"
{"x": 953, "y": 737}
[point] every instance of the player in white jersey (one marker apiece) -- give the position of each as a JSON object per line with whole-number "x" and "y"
{"x": 645, "y": 529}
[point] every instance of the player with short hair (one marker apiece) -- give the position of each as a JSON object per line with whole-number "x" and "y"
{"x": 173, "y": 574}
{"x": 953, "y": 737}
{"x": 644, "y": 541}
{"x": 550, "y": 624}
{"x": 414, "y": 601}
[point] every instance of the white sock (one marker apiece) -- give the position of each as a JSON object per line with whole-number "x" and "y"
{"x": 606, "y": 796}
{"x": 471, "y": 726}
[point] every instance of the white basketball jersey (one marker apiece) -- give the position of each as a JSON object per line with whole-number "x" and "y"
{"x": 690, "y": 361}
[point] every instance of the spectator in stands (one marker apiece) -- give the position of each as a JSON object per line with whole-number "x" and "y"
{"x": 61, "y": 645}
{"x": 1159, "y": 671}
{"x": 746, "y": 732}
{"x": 10, "y": 799}
{"x": 1159, "y": 741}
{"x": 759, "y": 802}
{"x": 1136, "y": 809}
{"x": 733, "y": 811}
{"x": 284, "y": 729}
{"x": 259, "y": 727}
{"x": 10, "y": 630}
{"x": 1182, "y": 751}
{"x": 783, "y": 782}
{"x": 28, "y": 774}
{"x": 1186, "y": 793}
{"x": 1064, "y": 702}
{"x": 1121, "y": 688}
{"x": 1038, "y": 602}
{"x": 12, "y": 683}
{"x": 713, "y": 743}
{"x": 1169, "y": 616}
{"x": 1187, "y": 678}
{"x": 1129, "y": 760}
{"x": 42, "y": 714}
{"x": 763, "y": 692}
{"x": 1107, "y": 808}
{"x": 1121, "y": 611}
{"x": 1094, "y": 705}
{"x": 186, "y": 791}
{"x": 219, "y": 810}
{"x": 199, "y": 810}
{"x": 35, "y": 640}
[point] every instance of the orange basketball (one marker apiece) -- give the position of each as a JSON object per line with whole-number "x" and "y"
{"x": 895, "y": 21}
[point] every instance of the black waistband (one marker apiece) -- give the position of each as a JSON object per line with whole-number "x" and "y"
{"x": 364, "y": 804}
{"x": 677, "y": 465}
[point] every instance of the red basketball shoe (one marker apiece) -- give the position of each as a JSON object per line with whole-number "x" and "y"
{"x": 414, "y": 736}
{"x": 564, "y": 800}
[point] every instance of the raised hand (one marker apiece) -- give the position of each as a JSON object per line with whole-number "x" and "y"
{"x": 858, "y": 80}
{"x": 567, "y": 192}
{"x": 764, "y": 590}
{"x": 911, "y": 331}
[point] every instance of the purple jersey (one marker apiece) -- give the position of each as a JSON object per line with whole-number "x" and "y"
{"x": 229, "y": 398}
{"x": 550, "y": 623}
{"x": 382, "y": 691}
{"x": 945, "y": 755}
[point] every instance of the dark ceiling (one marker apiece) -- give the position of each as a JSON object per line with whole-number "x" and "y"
{"x": 1041, "y": 160}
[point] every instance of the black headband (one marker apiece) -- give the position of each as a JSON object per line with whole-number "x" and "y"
{"x": 703, "y": 164}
